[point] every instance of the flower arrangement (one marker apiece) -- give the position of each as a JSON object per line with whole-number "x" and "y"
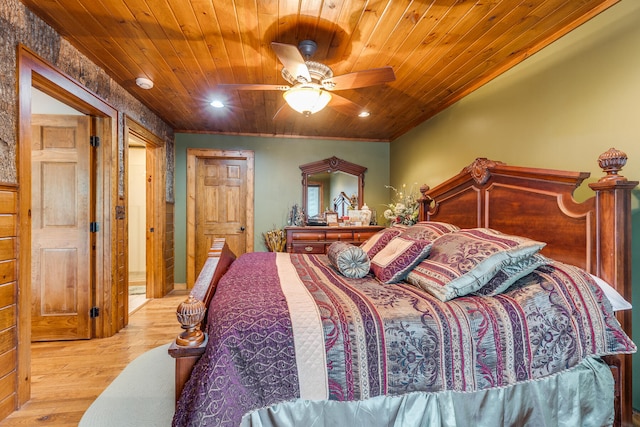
{"x": 404, "y": 208}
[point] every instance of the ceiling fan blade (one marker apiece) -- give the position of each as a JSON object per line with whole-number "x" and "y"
{"x": 292, "y": 60}
{"x": 249, "y": 86}
{"x": 357, "y": 79}
{"x": 345, "y": 106}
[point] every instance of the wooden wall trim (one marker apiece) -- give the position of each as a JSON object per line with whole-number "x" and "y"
{"x": 9, "y": 326}
{"x": 169, "y": 248}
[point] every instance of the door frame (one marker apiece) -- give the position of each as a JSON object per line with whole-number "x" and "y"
{"x": 193, "y": 154}
{"x": 155, "y": 207}
{"x": 33, "y": 71}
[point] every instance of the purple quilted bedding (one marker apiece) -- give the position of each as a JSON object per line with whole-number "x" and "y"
{"x": 283, "y": 327}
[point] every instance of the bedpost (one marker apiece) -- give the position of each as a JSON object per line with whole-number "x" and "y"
{"x": 425, "y": 201}
{"x": 192, "y": 313}
{"x": 613, "y": 210}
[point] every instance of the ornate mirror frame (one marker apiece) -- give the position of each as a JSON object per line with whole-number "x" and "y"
{"x": 332, "y": 164}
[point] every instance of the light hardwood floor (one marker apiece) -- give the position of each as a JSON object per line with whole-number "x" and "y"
{"x": 67, "y": 376}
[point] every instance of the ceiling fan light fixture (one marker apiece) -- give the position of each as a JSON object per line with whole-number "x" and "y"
{"x": 307, "y": 100}
{"x": 216, "y": 103}
{"x": 364, "y": 114}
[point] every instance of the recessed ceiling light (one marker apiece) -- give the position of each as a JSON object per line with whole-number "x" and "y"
{"x": 364, "y": 114}
{"x": 144, "y": 83}
{"x": 217, "y": 104}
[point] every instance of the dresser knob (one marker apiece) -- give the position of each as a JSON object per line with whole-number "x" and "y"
{"x": 308, "y": 248}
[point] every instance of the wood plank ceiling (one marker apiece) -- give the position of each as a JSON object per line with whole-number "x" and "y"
{"x": 440, "y": 50}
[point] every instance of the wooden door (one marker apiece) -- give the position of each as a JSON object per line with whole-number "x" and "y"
{"x": 219, "y": 204}
{"x": 60, "y": 220}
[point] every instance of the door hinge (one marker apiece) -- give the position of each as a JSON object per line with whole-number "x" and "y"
{"x": 94, "y": 227}
{"x": 94, "y": 141}
{"x": 94, "y": 312}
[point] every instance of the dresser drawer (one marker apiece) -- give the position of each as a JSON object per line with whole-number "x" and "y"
{"x": 308, "y": 248}
{"x": 361, "y": 236}
{"x": 339, "y": 235}
{"x": 308, "y": 235}
{"x": 316, "y": 240}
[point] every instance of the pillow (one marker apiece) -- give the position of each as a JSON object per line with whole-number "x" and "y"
{"x": 351, "y": 261}
{"x": 464, "y": 261}
{"x": 617, "y": 301}
{"x": 510, "y": 273}
{"x": 428, "y": 230}
{"x": 395, "y": 260}
{"x": 375, "y": 243}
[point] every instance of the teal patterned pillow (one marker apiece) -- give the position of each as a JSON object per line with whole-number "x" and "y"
{"x": 510, "y": 273}
{"x": 351, "y": 261}
{"x": 464, "y": 261}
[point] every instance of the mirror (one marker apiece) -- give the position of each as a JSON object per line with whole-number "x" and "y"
{"x": 331, "y": 184}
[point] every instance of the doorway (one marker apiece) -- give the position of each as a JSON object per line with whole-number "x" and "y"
{"x": 137, "y": 223}
{"x": 145, "y": 171}
{"x": 98, "y": 198}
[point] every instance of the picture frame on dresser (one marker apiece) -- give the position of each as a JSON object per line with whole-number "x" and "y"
{"x": 331, "y": 218}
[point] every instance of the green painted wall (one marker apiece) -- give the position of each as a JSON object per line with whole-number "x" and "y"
{"x": 558, "y": 109}
{"x": 277, "y": 177}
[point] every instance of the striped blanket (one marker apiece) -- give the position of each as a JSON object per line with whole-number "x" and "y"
{"x": 288, "y": 326}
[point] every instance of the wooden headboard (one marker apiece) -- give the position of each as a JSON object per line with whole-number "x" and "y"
{"x": 539, "y": 204}
{"x": 535, "y": 203}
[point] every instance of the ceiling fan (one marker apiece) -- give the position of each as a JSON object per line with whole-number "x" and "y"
{"x": 313, "y": 84}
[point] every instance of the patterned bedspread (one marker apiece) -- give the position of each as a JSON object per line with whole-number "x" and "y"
{"x": 287, "y": 326}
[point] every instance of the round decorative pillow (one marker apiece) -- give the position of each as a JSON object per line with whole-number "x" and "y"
{"x": 351, "y": 261}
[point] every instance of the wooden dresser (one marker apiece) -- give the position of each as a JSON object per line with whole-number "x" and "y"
{"x": 316, "y": 240}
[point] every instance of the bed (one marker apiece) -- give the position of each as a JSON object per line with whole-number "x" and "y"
{"x": 530, "y": 339}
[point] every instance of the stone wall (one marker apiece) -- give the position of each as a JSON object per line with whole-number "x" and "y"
{"x": 18, "y": 25}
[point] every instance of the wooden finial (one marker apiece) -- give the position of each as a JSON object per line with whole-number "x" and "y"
{"x": 612, "y": 162}
{"x": 190, "y": 313}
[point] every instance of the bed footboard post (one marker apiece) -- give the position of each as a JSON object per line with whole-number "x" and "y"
{"x": 613, "y": 209}
{"x": 192, "y": 313}
{"x": 190, "y": 344}
{"x": 186, "y": 358}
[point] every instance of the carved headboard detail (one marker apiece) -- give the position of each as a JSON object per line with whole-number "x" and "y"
{"x": 480, "y": 169}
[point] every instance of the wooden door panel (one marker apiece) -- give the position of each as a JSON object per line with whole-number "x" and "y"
{"x": 60, "y": 240}
{"x": 59, "y": 207}
{"x": 220, "y": 204}
{"x": 221, "y": 187}
{"x": 59, "y": 286}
